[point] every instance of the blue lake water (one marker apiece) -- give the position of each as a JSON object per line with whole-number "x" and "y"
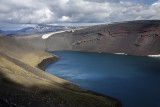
{"x": 134, "y": 80}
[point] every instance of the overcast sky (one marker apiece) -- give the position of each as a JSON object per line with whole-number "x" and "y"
{"x": 19, "y": 13}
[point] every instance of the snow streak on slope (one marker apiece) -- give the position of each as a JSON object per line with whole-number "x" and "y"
{"x": 45, "y": 36}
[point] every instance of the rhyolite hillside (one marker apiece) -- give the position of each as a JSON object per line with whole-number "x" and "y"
{"x": 133, "y": 37}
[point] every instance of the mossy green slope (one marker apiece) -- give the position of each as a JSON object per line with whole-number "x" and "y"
{"x": 22, "y": 83}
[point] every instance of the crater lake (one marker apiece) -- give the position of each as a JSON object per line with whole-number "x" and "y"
{"x": 134, "y": 80}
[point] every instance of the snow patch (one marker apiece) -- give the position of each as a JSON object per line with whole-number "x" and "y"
{"x": 120, "y": 53}
{"x": 45, "y": 36}
{"x": 156, "y": 56}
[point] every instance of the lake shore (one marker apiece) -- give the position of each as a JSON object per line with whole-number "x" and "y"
{"x": 45, "y": 62}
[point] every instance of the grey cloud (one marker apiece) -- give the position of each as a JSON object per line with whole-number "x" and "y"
{"x": 80, "y": 11}
{"x": 103, "y": 1}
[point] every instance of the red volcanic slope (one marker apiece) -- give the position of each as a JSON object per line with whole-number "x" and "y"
{"x": 133, "y": 37}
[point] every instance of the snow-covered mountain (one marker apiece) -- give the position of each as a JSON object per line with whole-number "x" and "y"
{"x": 40, "y": 28}
{"x": 43, "y": 28}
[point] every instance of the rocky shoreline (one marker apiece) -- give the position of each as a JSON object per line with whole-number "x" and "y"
{"x": 42, "y": 65}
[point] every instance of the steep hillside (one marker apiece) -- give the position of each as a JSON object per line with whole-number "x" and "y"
{"x": 133, "y": 38}
{"x": 24, "y": 84}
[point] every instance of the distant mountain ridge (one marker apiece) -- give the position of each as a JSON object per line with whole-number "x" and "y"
{"x": 43, "y": 28}
{"x": 38, "y": 29}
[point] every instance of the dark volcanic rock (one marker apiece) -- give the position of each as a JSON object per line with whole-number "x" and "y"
{"x": 46, "y": 62}
{"x": 6, "y": 103}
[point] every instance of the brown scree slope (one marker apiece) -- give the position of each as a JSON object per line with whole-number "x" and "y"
{"x": 133, "y": 37}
